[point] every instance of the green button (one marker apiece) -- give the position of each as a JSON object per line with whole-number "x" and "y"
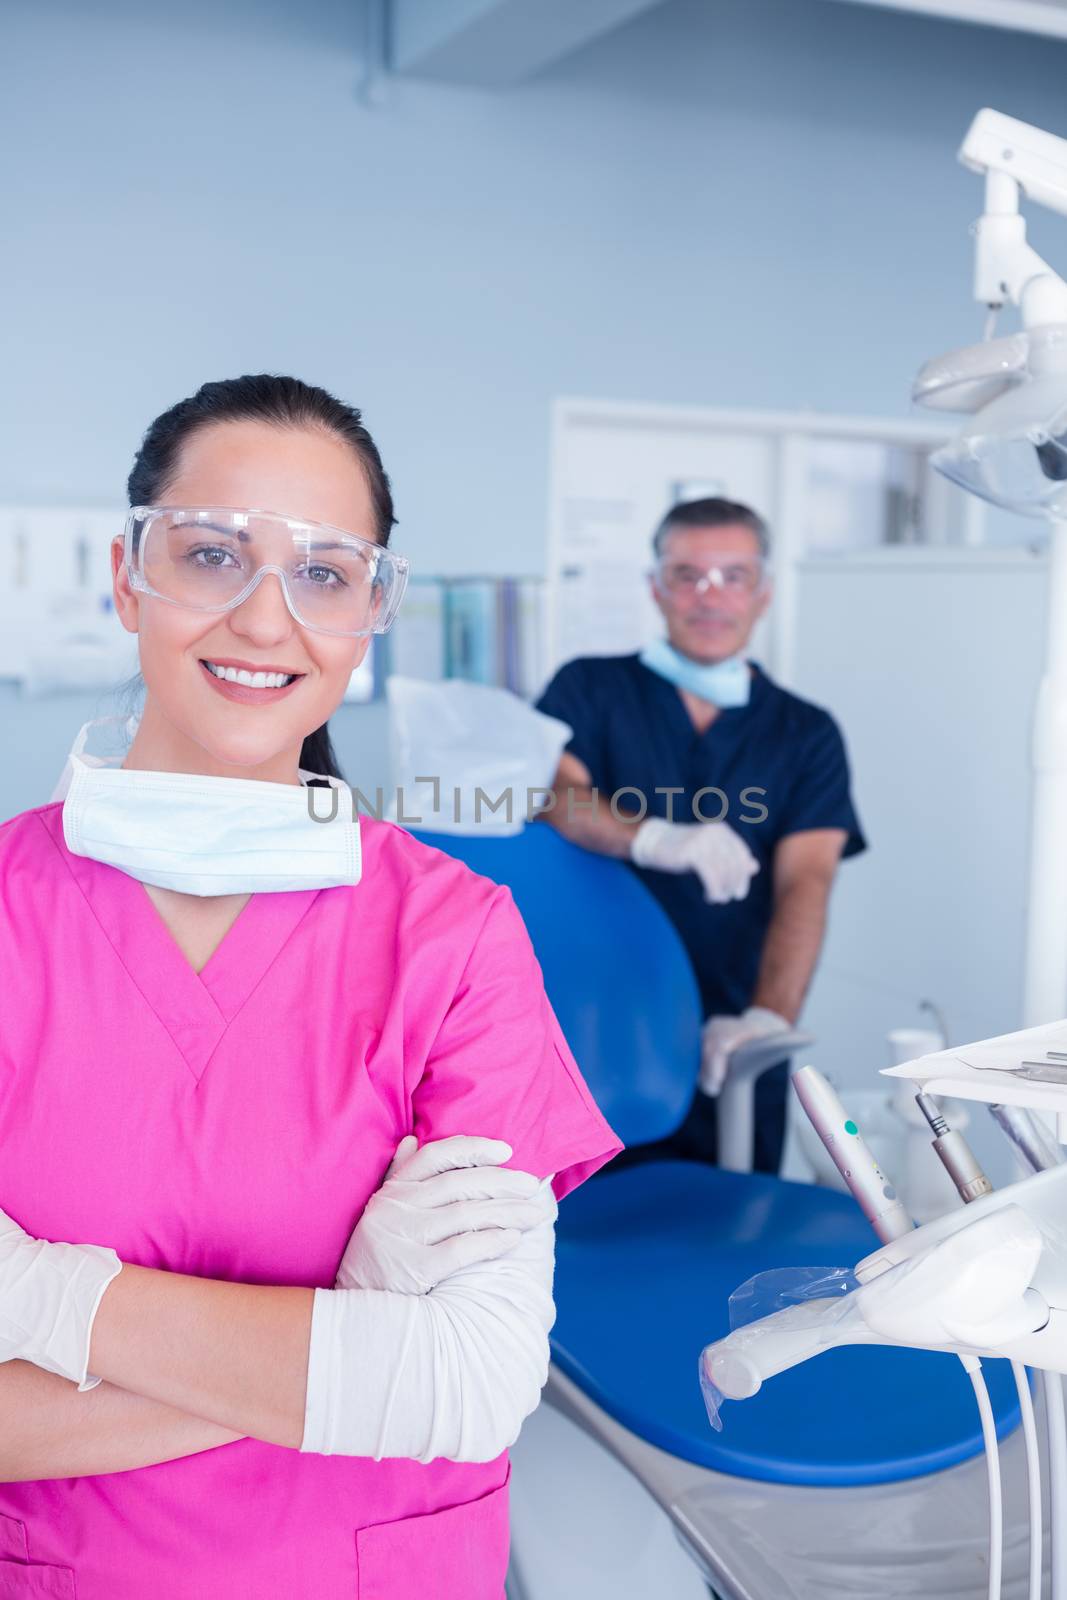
{"x": 850, "y": 1127}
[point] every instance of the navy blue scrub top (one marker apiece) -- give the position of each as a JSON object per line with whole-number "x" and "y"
{"x": 779, "y": 762}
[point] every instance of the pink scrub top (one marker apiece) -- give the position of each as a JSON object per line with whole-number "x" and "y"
{"x": 232, "y": 1124}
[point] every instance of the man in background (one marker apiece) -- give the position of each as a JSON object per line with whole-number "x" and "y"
{"x": 747, "y": 793}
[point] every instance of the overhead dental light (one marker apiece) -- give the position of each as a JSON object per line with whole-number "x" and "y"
{"x": 1013, "y": 453}
{"x": 1015, "y": 160}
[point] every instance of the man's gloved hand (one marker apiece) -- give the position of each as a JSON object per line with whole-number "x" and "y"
{"x": 49, "y": 1294}
{"x": 722, "y": 1035}
{"x": 719, "y": 856}
{"x": 447, "y": 1206}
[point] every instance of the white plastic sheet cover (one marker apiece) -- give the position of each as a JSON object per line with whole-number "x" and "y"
{"x": 468, "y": 758}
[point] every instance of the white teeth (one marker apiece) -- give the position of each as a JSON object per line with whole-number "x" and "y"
{"x": 252, "y": 680}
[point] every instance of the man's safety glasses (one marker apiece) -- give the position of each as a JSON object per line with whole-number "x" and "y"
{"x": 739, "y": 579}
{"x": 211, "y": 559}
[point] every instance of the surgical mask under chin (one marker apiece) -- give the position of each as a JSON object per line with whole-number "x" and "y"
{"x": 726, "y": 684}
{"x": 211, "y": 836}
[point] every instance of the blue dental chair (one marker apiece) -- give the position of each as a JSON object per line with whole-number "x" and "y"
{"x": 648, "y": 1256}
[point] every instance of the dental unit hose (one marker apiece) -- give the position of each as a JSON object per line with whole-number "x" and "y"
{"x": 958, "y": 1160}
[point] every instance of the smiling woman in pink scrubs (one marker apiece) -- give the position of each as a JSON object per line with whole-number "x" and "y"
{"x": 213, "y": 1086}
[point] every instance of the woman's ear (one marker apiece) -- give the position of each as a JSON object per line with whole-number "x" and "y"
{"x": 127, "y": 604}
{"x": 364, "y": 645}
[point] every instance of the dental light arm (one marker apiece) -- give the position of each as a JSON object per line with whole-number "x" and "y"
{"x": 1034, "y": 159}
{"x": 1016, "y": 159}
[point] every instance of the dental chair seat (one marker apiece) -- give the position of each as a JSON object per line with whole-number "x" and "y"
{"x": 647, "y": 1259}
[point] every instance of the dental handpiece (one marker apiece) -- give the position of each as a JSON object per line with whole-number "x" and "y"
{"x": 877, "y": 1198}
{"x": 954, "y": 1153}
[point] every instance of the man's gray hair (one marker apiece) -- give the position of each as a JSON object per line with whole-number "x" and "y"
{"x": 713, "y": 513}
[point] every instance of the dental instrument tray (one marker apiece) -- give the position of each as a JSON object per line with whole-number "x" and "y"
{"x": 1027, "y": 1068}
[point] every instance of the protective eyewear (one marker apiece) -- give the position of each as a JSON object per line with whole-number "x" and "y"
{"x": 740, "y": 579}
{"x": 212, "y": 559}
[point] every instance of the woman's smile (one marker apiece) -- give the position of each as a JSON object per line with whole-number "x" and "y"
{"x": 249, "y": 682}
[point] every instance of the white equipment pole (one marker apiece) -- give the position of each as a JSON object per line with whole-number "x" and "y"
{"x": 1018, "y": 160}
{"x": 1045, "y": 987}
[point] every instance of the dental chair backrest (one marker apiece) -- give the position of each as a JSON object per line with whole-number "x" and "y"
{"x": 615, "y": 970}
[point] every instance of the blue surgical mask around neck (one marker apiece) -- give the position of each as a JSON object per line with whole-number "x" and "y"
{"x": 726, "y": 684}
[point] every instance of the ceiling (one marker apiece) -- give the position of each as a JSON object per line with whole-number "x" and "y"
{"x": 1029, "y": 16}
{"x": 497, "y": 43}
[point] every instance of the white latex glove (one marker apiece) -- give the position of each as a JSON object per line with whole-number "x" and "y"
{"x": 49, "y": 1295}
{"x": 719, "y": 856}
{"x": 447, "y": 1206}
{"x": 449, "y": 1374}
{"x": 722, "y": 1035}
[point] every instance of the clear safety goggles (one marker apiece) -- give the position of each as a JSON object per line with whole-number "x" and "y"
{"x": 736, "y": 578}
{"x": 211, "y": 559}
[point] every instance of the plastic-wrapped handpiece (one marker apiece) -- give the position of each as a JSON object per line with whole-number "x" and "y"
{"x": 971, "y": 1291}
{"x": 760, "y": 1297}
{"x": 738, "y": 1364}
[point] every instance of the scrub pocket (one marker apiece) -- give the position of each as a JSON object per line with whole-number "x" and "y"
{"x": 460, "y": 1553}
{"x": 23, "y": 1579}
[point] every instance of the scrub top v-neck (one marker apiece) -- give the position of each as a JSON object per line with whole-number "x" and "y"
{"x": 195, "y": 1007}
{"x": 232, "y": 1123}
{"x": 771, "y": 768}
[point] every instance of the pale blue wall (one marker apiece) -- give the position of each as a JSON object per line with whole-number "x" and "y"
{"x": 727, "y": 201}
